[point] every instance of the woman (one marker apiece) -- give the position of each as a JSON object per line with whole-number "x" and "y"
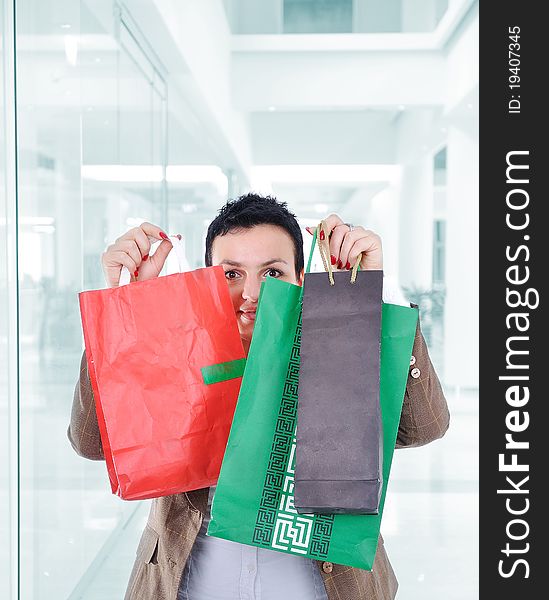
{"x": 252, "y": 238}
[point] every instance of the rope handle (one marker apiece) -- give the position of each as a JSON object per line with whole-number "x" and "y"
{"x": 324, "y": 249}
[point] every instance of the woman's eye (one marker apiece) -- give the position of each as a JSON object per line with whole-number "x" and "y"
{"x": 273, "y": 273}
{"x": 231, "y": 274}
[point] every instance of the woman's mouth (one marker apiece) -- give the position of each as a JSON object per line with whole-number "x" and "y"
{"x": 248, "y": 316}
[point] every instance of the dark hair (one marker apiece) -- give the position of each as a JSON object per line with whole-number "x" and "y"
{"x": 250, "y": 210}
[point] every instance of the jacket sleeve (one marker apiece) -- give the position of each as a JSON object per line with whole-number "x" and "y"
{"x": 83, "y": 430}
{"x": 425, "y": 416}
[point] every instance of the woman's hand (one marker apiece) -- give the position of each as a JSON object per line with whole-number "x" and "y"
{"x": 346, "y": 245}
{"x": 131, "y": 250}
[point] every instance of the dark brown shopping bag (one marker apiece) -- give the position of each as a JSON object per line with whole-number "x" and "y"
{"x": 339, "y": 449}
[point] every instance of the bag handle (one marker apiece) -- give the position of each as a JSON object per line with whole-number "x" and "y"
{"x": 324, "y": 249}
{"x": 177, "y": 247}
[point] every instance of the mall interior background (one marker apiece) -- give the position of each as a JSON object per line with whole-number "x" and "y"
{"x": 117, "y": 112}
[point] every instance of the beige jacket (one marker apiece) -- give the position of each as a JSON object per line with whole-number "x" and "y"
{"x": 174, "y": 521}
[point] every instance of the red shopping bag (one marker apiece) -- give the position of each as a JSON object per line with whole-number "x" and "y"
{"x": 165, "y": 360}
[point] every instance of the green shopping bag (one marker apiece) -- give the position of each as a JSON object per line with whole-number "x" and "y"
{"x": 253, "y": 502}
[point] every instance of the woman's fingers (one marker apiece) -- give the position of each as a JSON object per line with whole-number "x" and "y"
{"x": 350, "y": 238}
{"x": 132, "y": 251}
{"x": 154, "y": 263}
{"x": 367, "y": 243}
{"x": 331, "y": 221}
{"x": 113, "y": 260}
{"x": 131, "y": 248}
{"x": 346, "y": 245}
{"x": 153, "y": 231}
{"x": 143, "y": 242}
{"x": 333, "y": 225}
{"x": 337, "y": 241}
{"x": 124, "y": 259}
{"x": 115, "y": 257}
{"x": 142, "y": 236}
{"x": 157, "y": 260}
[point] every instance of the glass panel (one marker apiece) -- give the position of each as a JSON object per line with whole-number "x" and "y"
{"x": 6, "y": 553}
{"x": 197, "y": 185}
{"x": 333, "y": 16}
{"x": 438, "y": 252}
{"x": 87, "y": 109}
{"x": 122, "y": 150}
{"x": 312, "y": 16}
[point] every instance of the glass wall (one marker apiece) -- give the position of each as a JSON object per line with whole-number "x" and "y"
{"x": 8, "y": 312}
{"x": 334, "y": 16}
{"x": 92, "y": 150}
{"x": 123, "y": 135}
{"x": 92, "y": 109}
{"x": 327, "y": 16}
{"x": 5, "y": 529}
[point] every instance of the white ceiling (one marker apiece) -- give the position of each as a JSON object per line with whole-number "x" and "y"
{"x": 105, "y": 104}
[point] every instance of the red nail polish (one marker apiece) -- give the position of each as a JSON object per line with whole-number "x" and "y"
{"x": 145, "y": 257}
{"x": 136, "y": 274}
{"x": 348, "y": 265}
{"x": 333, "y": 259}
{"x": 339, "y": 264}
{"x": 163, "y": 235}
{"x": 322, "y": 235}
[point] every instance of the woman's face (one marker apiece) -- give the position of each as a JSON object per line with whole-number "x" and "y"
{"x": 248, "y": 257}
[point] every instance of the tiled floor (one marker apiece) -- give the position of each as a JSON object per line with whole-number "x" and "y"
{"x": 431, "y": 520}
{"x": 79, "y": 541}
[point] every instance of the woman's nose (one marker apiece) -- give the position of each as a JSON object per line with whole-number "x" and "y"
{"x": 251, "y": 288}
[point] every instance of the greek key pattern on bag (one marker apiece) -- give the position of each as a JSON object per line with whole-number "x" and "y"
{"x": 278, "y": 524}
